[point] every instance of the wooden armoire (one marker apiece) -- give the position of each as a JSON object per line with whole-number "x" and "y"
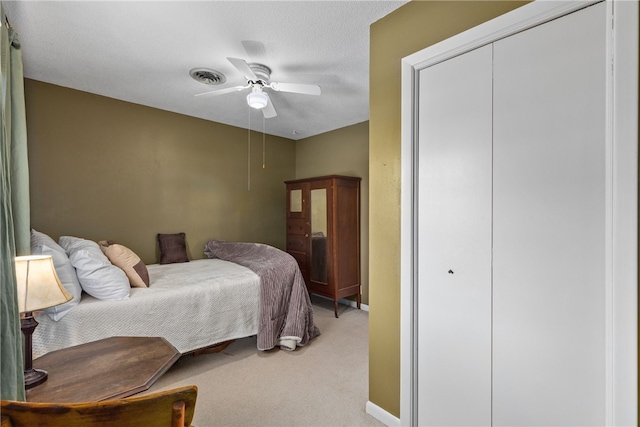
{"x": 323, "y": 234}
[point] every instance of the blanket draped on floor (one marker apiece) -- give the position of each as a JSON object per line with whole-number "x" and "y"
{"x": 286, "y": 314}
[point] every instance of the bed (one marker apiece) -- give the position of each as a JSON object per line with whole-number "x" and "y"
{"x": 196, "y": 304}
{"x": 193, "y": 305}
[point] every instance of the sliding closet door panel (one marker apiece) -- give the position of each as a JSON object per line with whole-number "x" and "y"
{"x": 549, "y": 223}
{"x": 454, "y": 266}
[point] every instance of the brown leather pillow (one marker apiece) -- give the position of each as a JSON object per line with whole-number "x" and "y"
{"x": 173, "y": 248}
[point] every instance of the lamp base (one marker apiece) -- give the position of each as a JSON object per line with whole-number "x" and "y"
{"x": 34, "y": 377}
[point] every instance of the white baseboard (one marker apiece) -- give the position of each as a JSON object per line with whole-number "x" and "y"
{"x": 354, "y": 304}
{"x": 351, "y": 303}
{"x": 381, "y": 415}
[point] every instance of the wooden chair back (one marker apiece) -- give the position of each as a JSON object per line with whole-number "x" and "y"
{"x": 171, "y": 408}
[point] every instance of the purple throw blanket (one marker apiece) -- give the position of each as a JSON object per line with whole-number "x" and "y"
{"x": 286, "y": 313}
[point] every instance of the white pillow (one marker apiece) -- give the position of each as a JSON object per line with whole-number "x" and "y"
{"x": 41, "y": 244}
{"x": 98, "y": 277}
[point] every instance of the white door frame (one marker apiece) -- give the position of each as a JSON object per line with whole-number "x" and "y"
{"x": 621, "y": 192}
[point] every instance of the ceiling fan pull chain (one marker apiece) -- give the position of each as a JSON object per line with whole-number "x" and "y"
{"x": 264, "y": 162}
{"x": 249, "y": 154}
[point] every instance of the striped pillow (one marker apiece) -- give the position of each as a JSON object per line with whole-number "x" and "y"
{"x": 173, "y": 248}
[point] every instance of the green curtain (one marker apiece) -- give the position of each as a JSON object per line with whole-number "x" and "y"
{"x": 15, "y": 210}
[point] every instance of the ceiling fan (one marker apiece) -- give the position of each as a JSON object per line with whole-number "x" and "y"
{"x": 257, "y": 76}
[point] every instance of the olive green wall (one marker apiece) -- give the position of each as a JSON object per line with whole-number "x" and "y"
{"x": 342, "y": 152}
{"x": 410, "y": 28}
{"x": 107, "y": 169}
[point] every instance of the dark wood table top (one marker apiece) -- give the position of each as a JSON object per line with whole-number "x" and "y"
{"x": 111, "y": 368}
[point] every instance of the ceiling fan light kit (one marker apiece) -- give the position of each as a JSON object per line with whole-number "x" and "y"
{"x": 257, "y": 78}
{"x": 257, "y": 99}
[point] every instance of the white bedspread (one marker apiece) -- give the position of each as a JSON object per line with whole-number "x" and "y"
{"x": 192, "y": 305}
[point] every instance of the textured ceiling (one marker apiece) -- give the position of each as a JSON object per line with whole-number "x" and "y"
{"x": 142, "y": 52}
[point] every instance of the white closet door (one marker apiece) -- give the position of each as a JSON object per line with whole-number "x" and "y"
{"x": 549, "y": 224}
{"x": 454, "y": 265}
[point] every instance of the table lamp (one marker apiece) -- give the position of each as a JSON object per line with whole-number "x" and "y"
{"x": 38, "y": 288}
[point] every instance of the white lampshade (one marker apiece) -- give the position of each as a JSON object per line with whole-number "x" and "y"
{"x": 38, "y": 284}
{"x": 257, "y": 100}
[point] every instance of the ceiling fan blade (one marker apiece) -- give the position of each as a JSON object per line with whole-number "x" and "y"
{"x": 222, "y": 91}
{"x": 296, "y": 88}
{"x": 243, "y": 67}
{"x": 269, "y": 111}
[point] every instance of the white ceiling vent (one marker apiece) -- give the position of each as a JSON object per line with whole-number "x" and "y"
{"x": 207, "y": 76}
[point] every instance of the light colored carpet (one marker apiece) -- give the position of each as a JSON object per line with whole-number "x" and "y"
{"x": 324, "y": 383}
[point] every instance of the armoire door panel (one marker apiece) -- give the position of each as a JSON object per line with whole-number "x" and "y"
{"x": 549, "y": 223}
{"x": 348, "y": 268}
{"x": 454, "y": 237}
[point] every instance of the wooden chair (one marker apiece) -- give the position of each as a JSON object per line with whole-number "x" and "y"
{"x": 174, "y": 408}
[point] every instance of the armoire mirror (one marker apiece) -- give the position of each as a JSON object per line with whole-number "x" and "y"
{"x": 319, "y": 235}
